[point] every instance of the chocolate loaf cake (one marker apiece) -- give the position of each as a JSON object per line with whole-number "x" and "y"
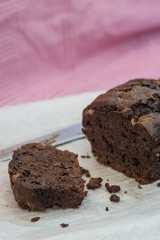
{"x": 43, "y": 177}
{"x": 123, "y": 127}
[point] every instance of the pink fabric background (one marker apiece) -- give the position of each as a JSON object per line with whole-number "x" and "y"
{"x": 51, "y": 48}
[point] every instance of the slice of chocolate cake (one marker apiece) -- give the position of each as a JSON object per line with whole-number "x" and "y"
{"x": 123, "y": 127}
{"x": 43, "y": 177}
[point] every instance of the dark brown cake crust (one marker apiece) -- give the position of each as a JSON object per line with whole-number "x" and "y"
{"x": 123, "y": 127}
{"x": 43, "y": 177}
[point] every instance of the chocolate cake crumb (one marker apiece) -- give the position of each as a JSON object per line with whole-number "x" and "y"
{"x": 114, "y": 198}
{"x": 64, "y": 225}
{"x": 94, "y": 183}
{"x": 107, "y": 209}
{"x": 139, "y": 186}
{"x": 85, "y": 192}
{"x": 85, "y": 171}
{"x": 85, "y": 156}
{"x": 35, "y": 219}
{"x": 88, "y": 175}
{"x": 107, "y": 180}
{"x": 158, "y": 184}
{"x": 112, "y": 188}
{"x": 125, "y": 191}
{"x": 55, "y": 207}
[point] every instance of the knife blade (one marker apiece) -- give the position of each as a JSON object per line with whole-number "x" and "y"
{"x": 57, "y": 138}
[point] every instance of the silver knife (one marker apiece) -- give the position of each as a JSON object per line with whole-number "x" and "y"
{"x": 58, "y": 138}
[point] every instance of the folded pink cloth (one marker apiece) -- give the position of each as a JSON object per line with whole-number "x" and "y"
{"x": 51, "y": 48}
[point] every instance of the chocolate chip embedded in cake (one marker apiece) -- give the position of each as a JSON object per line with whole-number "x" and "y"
{"x": 43, "y": 177}
{"x": 94, "y": 183}
{"x": 123, "y": 127}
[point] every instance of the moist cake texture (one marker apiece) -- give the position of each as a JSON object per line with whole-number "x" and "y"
{"x": 123, "y": 127}
{"x": 43, "y": 177}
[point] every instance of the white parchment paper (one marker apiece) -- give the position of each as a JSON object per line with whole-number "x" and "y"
{"x": 136, "y": 216}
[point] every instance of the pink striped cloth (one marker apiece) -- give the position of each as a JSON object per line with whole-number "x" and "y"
{"x": 51, "y": 48}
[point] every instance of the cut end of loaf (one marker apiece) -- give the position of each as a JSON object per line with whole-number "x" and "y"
{"x": 124, "y": 129}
